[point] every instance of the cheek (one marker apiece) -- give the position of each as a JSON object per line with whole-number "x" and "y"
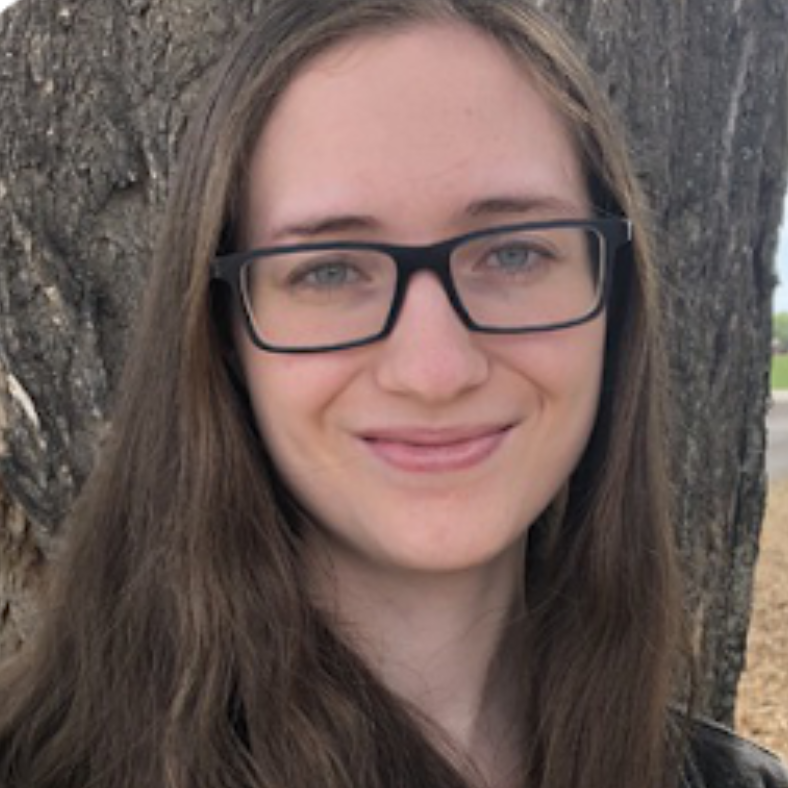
{"x": 564, "y": 370}
{"x": 565, "y": 365}
{"x": 292, "y": 397}
{"x": 277, "y": 392}
{"x": 581, "y": 365}
{"x": 283, "y": 407}
{"x": 579, "y": 374}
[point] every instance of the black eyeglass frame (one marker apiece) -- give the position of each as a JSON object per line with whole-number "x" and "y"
{"x": 616, "y": 232}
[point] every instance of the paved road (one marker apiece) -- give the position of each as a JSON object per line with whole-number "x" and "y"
{"x": 777, "y": 439}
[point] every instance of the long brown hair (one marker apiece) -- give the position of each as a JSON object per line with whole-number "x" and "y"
{"x": 182, "y": 650}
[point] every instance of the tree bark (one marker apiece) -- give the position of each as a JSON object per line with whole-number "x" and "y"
{"x": 703, "y": 87}
{"x": 94, "y": 94}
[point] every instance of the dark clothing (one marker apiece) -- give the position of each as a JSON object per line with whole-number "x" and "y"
{"x": 718, "y": 758}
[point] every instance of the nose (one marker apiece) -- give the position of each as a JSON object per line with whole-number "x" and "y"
{"x": 430, "y": 354}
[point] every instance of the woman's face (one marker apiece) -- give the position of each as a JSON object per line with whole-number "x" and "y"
{"x": 434, "y": 449}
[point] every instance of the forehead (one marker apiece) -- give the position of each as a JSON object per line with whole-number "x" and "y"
{"x": 430, "y": 115}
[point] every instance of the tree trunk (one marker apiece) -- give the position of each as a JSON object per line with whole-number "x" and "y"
{"x": 94, "y": 94}
{"x": 704, "y": 89}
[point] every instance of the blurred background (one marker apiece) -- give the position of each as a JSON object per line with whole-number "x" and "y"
{"x": 781, "y": 294}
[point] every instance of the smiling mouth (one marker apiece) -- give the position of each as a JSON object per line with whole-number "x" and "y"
{"x": 425, "y": 451}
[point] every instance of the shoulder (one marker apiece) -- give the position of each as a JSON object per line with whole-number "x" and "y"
{"x": 718, "y": 758}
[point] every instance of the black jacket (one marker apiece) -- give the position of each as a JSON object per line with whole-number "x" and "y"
{"x": 718, "y": 758}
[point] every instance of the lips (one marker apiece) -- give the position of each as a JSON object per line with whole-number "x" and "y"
{"x": 435, "y": 451}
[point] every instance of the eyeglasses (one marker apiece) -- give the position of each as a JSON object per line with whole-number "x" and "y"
{"x": 515, "y": 279}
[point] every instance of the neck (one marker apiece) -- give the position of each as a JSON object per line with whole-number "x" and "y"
{"x": 435, "y": 640}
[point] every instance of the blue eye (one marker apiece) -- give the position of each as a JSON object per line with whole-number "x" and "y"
{"x": 513, "y": 258}
{"x": 325, "y": 275}
{"x": 516, "y": 259}
{"x": 331, "y": 275}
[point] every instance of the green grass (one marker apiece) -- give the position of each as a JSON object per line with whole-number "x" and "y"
{"x": 779, "y": 372}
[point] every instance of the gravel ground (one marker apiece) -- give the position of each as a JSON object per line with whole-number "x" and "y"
{"x": 762, "y": 712}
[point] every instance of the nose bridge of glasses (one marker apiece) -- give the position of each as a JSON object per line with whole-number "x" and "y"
{"x": 434, "y": 259}
{"x": 411, "y": 259}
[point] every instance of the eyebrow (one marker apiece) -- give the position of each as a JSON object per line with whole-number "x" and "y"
{"x": 542, "y": 205}
{"x": 343, "y": 223}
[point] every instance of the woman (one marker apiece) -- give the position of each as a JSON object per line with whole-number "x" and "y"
{"x": 384, "y": 503}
